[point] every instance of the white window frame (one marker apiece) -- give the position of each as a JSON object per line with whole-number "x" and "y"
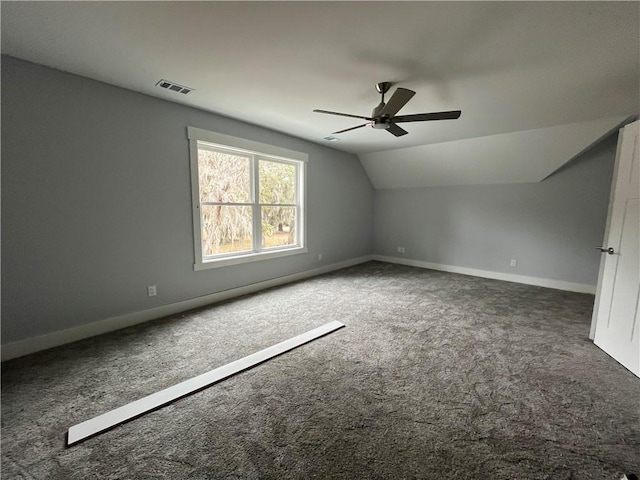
{"x": 257, "y": 151}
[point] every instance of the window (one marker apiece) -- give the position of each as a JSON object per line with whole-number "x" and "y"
{"x": 248, "y": 200}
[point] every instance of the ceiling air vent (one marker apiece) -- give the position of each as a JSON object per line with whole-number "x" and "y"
{"x": 174, "y": 87}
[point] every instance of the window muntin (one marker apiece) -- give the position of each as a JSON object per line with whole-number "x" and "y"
{"x": 247, "y": 205}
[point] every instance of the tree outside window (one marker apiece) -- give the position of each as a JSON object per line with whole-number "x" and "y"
{"x": 248, "y": 203}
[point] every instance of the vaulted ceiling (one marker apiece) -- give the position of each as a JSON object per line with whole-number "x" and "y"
{"x": 537, "y": 82}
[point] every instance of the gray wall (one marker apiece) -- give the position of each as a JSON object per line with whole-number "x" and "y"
{"x": 550, "y": 227}
{"x": 96, "y": 203}
{"x": 96, "y": 206}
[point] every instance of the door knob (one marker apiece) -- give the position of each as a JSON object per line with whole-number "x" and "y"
{"x": 609, "y": 250}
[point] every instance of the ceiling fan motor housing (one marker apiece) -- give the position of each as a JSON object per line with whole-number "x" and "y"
{"x": 381, "y": 123}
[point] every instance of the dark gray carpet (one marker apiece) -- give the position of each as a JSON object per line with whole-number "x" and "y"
{"x": 436, "y": 376}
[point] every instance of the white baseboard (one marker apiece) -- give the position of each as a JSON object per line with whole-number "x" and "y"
{"x": 55, "y": 339}
{"x": 508, "y": 277}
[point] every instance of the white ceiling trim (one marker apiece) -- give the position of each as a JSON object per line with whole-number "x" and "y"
{"x": 517, "y": 157}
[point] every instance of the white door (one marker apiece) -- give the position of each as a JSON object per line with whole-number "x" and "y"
{"x": 616, "y": 314}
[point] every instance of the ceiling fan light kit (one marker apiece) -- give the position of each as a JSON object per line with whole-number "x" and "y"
{"x": 384, "y": 116}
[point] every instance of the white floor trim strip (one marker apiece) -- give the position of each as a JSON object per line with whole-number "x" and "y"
{"x": 131, "y": 410}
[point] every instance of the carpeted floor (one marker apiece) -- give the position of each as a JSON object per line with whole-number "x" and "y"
{"x": 436, "y": 376}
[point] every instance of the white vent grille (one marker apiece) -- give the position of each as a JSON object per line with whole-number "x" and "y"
{"x": 174, "y": 87}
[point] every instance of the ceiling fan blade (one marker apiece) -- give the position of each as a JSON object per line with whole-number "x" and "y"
{"x": 423, "y": 117}
{"x": 398, "y": 100}
{"x": 352, "y": 128}
{"x": 343, "y": 114}
{"x": 396, "y": 130}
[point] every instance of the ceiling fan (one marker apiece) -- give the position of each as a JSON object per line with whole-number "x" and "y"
{"x": 384, "y": 115}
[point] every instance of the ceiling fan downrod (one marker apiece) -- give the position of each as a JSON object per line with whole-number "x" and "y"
{"x": 382, "y": 88}
{"x": 379, "y": 122}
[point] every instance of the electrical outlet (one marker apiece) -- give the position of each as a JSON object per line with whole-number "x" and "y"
{"x": 400, "y": 249}
{"x": 514, "y": 263}
{"x": 151, "y": 291}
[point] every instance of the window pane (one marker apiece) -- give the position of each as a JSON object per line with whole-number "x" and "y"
{"x": 224, "y": 177}
{"x": 277, "y": 182}
{"x": 278, "y": 226}
{"x": 226, "y": 229}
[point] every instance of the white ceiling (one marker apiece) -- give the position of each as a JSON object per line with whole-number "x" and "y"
{"x": 523, "y": 73}
{"x": 488, "y": 160}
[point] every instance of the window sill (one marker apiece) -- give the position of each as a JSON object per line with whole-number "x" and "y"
{"x": 248, "y": 258}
